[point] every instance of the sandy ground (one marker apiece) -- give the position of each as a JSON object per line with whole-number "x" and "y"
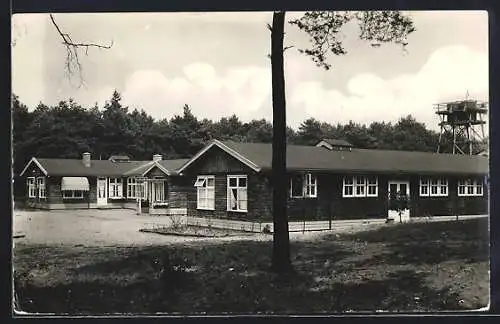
{"x": 109, "y": 228}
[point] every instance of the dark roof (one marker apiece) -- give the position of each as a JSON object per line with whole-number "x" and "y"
{"x": 363, "y": 160}
{"x": 336, "y": 142}
{"x": 173, "y": 165}
{"x": 170, "y": 165}
{"x": 75, "y": 167}
{"x": 119, "y": 158}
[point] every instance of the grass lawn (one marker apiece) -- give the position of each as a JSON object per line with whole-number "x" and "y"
{"x": 408, "y": 267}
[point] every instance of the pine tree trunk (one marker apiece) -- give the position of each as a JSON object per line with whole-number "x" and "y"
{"x": 281, "y": 241}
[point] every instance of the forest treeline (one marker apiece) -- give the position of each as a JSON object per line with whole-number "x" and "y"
{"x": 68, "y": 129}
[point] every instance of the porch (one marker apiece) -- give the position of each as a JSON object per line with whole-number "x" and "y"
{"x": 153, "y": 197}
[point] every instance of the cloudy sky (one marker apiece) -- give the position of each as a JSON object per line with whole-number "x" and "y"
{"x": 217, "y": 63}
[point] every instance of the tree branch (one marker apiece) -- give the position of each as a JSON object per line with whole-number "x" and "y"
{"x": 73, "y": 64}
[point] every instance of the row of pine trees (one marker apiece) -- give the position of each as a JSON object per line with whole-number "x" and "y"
{"x": 68, "y": 129}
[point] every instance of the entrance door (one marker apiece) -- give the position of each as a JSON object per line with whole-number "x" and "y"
{"x": 398, "y": 187}
{"x": 158, "y": 192}
{"x": 102, "y": 193}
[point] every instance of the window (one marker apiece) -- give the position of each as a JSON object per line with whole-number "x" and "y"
{"x": 360, "y": 186}
{"x": 132, "y": 189}
{"x": 142, "y": 190}
{"x": 205, "y": 192}
{"x": 424, "y": 187}
{"x": 137, "y": 188}
{"x": 115, "y": 188}
{"x": 297, "y": 186}
{"x": 348, "y": 187}
{"x": 479, "y": 188}
{"x": 372, "y": 185}
{"x": 237, "y": 193}
{"x": 31, "y": 187}
{"x": 470, "y": 187}
{"x": 73, "y": 194}
{"x": 311, "y": 186}
{"x": 461, "y": 188}
{"x": 40, "y": 183}
{"x": 304, "y": 185}
{"x": 443, "y": 187}
{"x": 158, "y": 191}
{"x": 433, "y": 187}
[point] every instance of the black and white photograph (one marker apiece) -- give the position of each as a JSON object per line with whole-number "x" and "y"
{"x": 250, "y": 163}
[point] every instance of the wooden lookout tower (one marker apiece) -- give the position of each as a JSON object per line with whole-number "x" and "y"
{"x": 465, "y": 121}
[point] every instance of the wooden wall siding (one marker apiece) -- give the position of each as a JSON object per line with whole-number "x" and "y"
{"x": 34, "y": 171}
{"x": 450, "y": 205}
{"x": 217, "y": 161}
{"x": 155, "y": 172}
{"x": 331, "y": 204}
{"x": 178, "y": 191}
{"x": 256, "y": 205}
{"x": 343, "y": 208}
{"x": 54, "y": 193}
{"x": 260, "y": 203}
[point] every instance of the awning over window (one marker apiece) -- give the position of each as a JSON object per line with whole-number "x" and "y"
{"x": 74, "y": 183}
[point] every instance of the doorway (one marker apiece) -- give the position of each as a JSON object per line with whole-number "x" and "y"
{"x": 398, "y": 186}
{"x": 102, "y": 192}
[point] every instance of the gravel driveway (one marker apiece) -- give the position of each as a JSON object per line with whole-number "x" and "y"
{"x": 97, "y": 228}
{"x": 114, "y": 227}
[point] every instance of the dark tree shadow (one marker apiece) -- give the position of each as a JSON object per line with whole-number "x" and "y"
{"x": 225, "y": 272}
{"x": 234, "y": 277}
{"x": 428, "y": 243}
{"x": 403, "y": 291}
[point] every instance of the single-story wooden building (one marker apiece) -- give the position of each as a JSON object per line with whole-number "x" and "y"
{"x": 232, "y": 180}
{"x": 114, "y": 183}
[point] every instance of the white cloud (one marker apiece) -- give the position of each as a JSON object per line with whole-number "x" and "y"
{"x": 241, "y": 90}
{"x": 246, "y": 91}
{"x": 447, "y": 75}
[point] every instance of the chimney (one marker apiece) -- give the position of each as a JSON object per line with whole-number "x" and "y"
{"x": 86, "y": 159}
{"x": 157, "y": 157}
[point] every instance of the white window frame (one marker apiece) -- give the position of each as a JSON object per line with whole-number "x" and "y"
{"x": 360, "y": 183}
{"x": 443, "y": 187}
{"x": 371, "y": 182}
{"x": 158, "y": 192}
{"x": 115, "y": 183}
{"x": 309, "y": 186}
{"x": 479, "y": 184}
{"x": 466, "y": 184}
{"x": 348, "y": 184}
{"x": 132, "y": 187}
{"x": 72, "y": 194}
{"x": 144, "y": 189}
{"x": 364, "y": 183}
{"x": 428, "y": 184}
{"x": 205, "y": 194}
{"x": 30, "y": 182}
{"x": 238, "y": 190}
{"x": 424, "y": 186}
{"x": 40, "y": 184}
